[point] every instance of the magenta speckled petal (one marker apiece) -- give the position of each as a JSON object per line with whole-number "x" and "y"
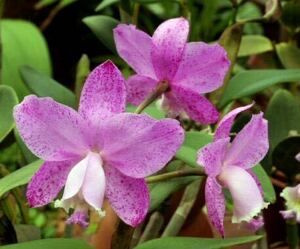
{"x": 47, "y": 182}
{"x": 247, "y": 199}
{"x": 224, "y": 127}
{"x": 52, "y": 131}
{"x": 212, "y": 155}
{"x": 103, "y": 94}
{"x": 255, "y": 224}
{"x": 134, "y": 46}
{"x": 138, "y": 145}
{"x": 196, "y": 106}
{"x": 129, "y": 197}
{"x": 169, "y": 40}
{"x": 250, "y": 145}
{"x": 215, "y": 203}
{"x": 138, "y": 88}
{"x": 203, "y": 67}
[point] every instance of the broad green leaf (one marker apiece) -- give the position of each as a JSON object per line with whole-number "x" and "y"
{"x": 290, "y": 15}
{"x": 252, "y": 81}
{"x": 162, "y": 190}
{"x": 105, "y": 3}
{"x": 102, "y": 27}
{"x": 44, "y": 3}
{"x": 153, "y": 1}
{"x": 195, "y": 243}
{"x": 65, "y": 3}
{"x": 27, "y": 232}
{"x": 43, "y": 86}
{"x": 283, "y": 115}
{"x": 289, "y": 55}
{"x": 264, "y": 179}
{"x": 193, "y": 142}
{"x": 51, "y": 244}
{"x": 28, "y": 155}
{"x": 19, "y": 177}
{"x": 283, "y": 157}
{"x": 8, "y": 99}
{"x": 151, "y": 110}
{"x": 22, "y": 44}
{"x": 262, "y": 44}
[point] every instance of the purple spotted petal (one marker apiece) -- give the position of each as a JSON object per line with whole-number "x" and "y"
{"x": 134, "y": 46}
{"x": 47, "y": 182}
{"x": 250, "y": 145}
{"x": 138, "y": 88}
{"x": 80, "y": 218}
{"x": 203, "y": 67}
{"x": 196, "y": 106}
{"x": 212, "y": 155}
{"x": 129, "y": 197}
{"x": 103, "y": 93}
{"x": 52, "y": 131}
{"x": 247, "y": 199}
{"x": 169, "y": 40}
{"x": 224, "y": 127}
{"x": 255, "y": 224}
{"x": 138, "y": 145}
{"x": 215, "y": 203}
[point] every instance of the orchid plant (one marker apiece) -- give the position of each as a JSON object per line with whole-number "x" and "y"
{"x": 91, "y": 153}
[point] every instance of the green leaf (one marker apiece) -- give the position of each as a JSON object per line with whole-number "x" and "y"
{"x": 19, "y": 177}
{"x": 8, "y": 99}
{"x": 283, "y": 116}
{"x": 105, "y": 3}
{"x": 65, "y": 3}
{"x": 28, "y": 155}
{"x": 193, "y": 142}
{"x": 102, "y": 27}
{"x": 151, "y": 110}
{"x": 195, "y": 243}
{"x": 264, "y": 179}
{"x": 289, "y": 55}
{"x": 50, "y": 244}
{"x": 27, "y": 232}
{"x": 22, "y": 44}
{"x": 43, "y": 86}
{"x": 262, "y": 44}
{"x": 162, "y": 190}
{"x": 44, "y": 3}
{"x": 252, "y": 81}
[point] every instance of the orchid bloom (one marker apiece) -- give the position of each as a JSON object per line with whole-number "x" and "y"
{"x": 292, "y": 198}
{"x": 190, "y": 69}
{"x": 228, "y": 165}
{"x": 95, "y": 153}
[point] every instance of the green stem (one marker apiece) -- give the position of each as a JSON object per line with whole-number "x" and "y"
{"x": 174, "y": 174}
{"x": 135, "y": 15}
{"x": 160, "y": 89}
{"x": 153, "y": 227}
{"x": 82, "y": 71}
{"x": 187, "y": 202}
{"x": 292, "y": 234}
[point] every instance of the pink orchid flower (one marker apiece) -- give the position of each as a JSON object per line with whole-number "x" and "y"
{"x": 190, "y": 69}
{"x": 228, "y": 165}
{"x": 292, "y": 198}
{"x": 98, "y": 152}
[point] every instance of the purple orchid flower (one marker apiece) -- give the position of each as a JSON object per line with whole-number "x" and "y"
{"x": 228, "y": 165}
{"x": 190, "y": 69}
{"x": 98, "y": 152}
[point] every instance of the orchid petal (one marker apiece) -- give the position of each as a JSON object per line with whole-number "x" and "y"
{"x": 129, "y": 197}
{"x": 203, "y": 67}
{"x": 134, "y": 46}
{"x": 138, "y": 145}
{"x": 169, "y": 40}
{"x": 255, "y": 224}
{"x": 47, "y": 182}
{"x": 250, "y": 145}
{"x": 212, "y": 155}
{"x": 138, "y": 88}
{"x": 52, "y": 131}
{"x": 103, "y": 94}
{"x": 196, "y": 106}
{"x": 78, "y": 217}
{"x": 247, "y": 199}
{"x": 93, "y": 187}
{"x": 215, "y": 203}
{"x": 224, "y": 127}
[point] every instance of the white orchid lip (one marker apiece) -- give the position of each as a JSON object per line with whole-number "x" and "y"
{"x": 85, "y": 186}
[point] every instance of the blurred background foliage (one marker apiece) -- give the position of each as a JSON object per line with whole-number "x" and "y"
{"x": 49, "y": 46}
